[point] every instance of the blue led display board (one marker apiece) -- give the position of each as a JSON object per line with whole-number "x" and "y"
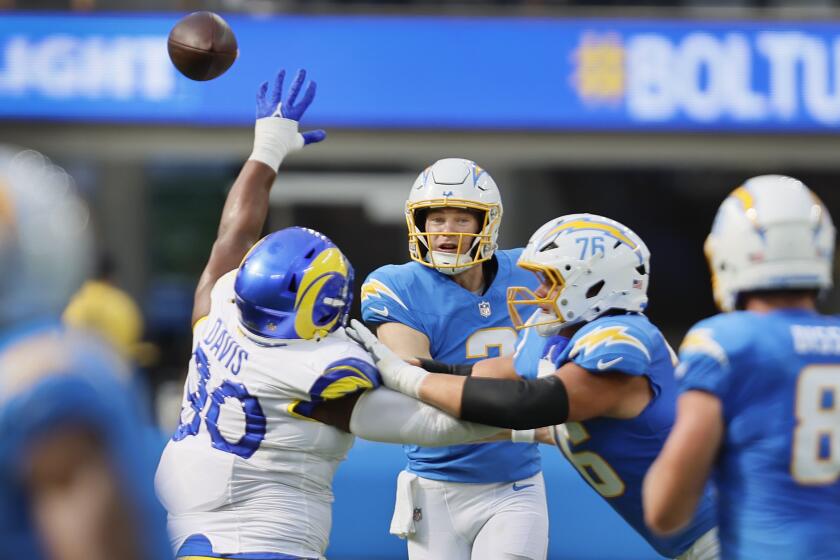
{"x": 438, "y": 73}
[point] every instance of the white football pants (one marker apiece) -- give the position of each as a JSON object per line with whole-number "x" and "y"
{"x": 461, "y": 521}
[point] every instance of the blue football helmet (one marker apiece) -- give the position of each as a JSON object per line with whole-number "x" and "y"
{"x": 294, "y": 284}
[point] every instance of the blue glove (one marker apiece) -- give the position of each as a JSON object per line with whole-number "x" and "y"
{"x": 276, "y": 134}
{"x": 273, "y": 106}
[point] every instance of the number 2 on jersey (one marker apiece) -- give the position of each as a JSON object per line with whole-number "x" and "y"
{"x": 816, "y": 438}
{"x": 481, "y": 341}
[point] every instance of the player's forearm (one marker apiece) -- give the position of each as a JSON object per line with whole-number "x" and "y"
{"x": 241, "y": 224}
{"x": 246, "y": 207}
{"x": 410, "y": 421}
{"x": 519, "y": 404}
{"x": 668, "y": 503}
{"x": 443, "y": 391}
{"x": 499, "y": 368}
{"x": 676, "y": 481}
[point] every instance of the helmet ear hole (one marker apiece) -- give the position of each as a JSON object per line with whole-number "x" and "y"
{"x": 293, "y": 283}
{"x": 420, "y": 218}
{"x": 594, "y": 289}
{"x": 641, "y": 269}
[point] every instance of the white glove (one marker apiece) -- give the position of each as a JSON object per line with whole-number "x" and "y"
{"x": 396, "y": 374}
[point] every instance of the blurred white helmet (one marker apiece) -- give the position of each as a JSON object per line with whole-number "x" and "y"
{"x": 771, "y": 233}
{"x": 453, "y": 183}
{"x": 45, "y": 238}
{"x": 589, "y": 265}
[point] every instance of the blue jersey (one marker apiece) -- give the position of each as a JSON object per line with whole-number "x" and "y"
{"x": 777, "y": 376}
{"x": 611, "y": 454}
{"x": 462, "y": 328}
{"x": 51, "y": 376}
{"x": 535, "y": 354}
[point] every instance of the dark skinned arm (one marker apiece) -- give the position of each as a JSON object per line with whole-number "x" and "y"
{"x": 241, "y": 225}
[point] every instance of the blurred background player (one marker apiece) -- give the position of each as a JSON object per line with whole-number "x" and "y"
{"x": 101, "y": 306}
{"x": 469, "y": 501}
{"x": 609, "y": 379}
{"x": 760, "y": 384}
{"x": 248, "y": 473}
{"x": 76, "y": 459}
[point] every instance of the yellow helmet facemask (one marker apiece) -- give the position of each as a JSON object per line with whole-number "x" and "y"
{"x": 521, "y": 295}
{"x": 473, "y": 248}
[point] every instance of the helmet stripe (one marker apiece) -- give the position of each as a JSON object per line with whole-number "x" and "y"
{"x": 606, "y": 228}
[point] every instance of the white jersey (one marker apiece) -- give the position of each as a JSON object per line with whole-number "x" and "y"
{"x": 247, "y": 470}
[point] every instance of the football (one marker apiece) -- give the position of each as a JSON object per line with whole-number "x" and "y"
{"x": 202, "y": 46}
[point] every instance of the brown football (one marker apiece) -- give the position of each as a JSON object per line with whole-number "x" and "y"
{"x": 202, "y": 46}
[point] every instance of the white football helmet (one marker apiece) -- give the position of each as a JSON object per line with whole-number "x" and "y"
{"x": 771, "y": 233}
{"x": 45, "y": 237}
{"x": 453, "y": 183}
{"x": 589, "y": 265}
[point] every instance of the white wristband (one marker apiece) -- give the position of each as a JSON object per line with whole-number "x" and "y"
{"x": 406, "y": 378}
{"x": 274, "y": 139}
{"x": 523, "y": 436}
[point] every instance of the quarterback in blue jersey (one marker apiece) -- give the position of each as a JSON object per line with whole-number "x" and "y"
{"x": 604, "y": 372}
{"x": 76, "y": 459}
{"x": 449, "y": 305}
{"x": 760, "y": 384}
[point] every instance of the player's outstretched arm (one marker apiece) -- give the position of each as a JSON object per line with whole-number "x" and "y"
{"x": 409, "y": 421}
{"x": 572, "y": 393}
{"x": 498, "y": 368}
{"x": 675, "y": 481}
{"x": 517, "y": 404}
{"x": 243, "y": 217}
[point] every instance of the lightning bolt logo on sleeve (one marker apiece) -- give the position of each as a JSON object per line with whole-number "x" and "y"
{"x": 374, "y": 289}
{"x": 606, "y": 336}
{"x": 702, "y": 342}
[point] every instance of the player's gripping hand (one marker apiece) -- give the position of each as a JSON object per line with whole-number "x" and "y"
{"x": 396, "y": 374}
{"x": 276, "y": 133}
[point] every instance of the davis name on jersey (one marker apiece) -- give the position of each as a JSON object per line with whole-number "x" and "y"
{"x": 611, "y": 454}
{"x": 777, "y": 376}
{"x": 248, "y": 471}
{"x": 462, "y": 328}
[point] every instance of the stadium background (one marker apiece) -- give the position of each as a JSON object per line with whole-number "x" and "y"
{"x": 646, "y": 112}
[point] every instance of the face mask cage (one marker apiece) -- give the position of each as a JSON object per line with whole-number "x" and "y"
{"x": 472, "y": 248}
{"x": 518, "y": 296}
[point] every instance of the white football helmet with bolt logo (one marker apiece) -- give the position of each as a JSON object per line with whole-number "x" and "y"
{"x": 771, "y": 233}
{"x": 453, "y": 183}
{"x": 587, "y": 265}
